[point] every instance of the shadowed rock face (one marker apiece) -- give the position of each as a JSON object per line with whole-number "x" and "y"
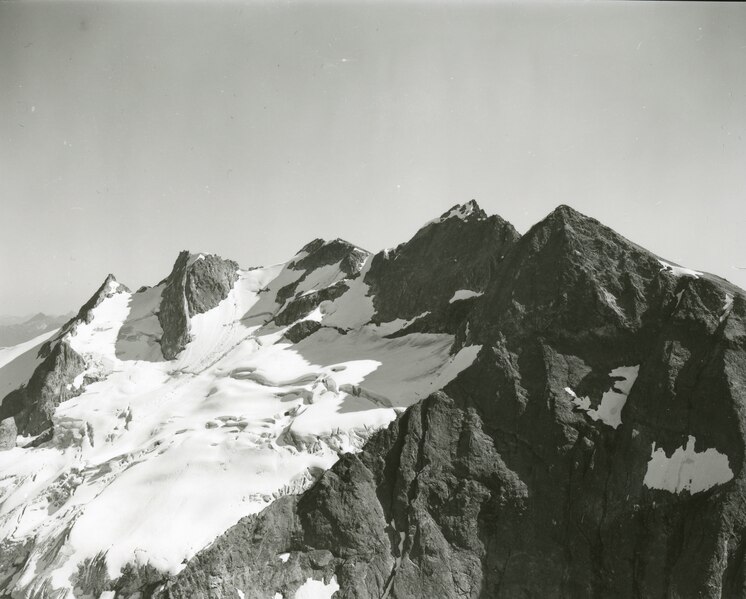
{"x": 196, "y": 284}
{"x": 303, "y": 304}
{"x": 454, "y": 252}
{"x": 301, "y": 330}
{"x": 34, "y": 404}
{"x": 502, "y": 486}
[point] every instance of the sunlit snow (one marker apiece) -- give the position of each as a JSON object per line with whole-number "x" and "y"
{"x": 462, "y": 211}
{"x": 317, "y": 589}
{"x": 727, "y": 307}
{"x": 679, "y": 271}
{"x": 155, "y": 459}
{"x": 463, "y": 294}
{"x": 687, "y": 469}
{"x": 609, "y": 411}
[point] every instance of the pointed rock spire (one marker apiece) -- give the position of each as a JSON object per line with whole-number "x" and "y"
{"x": 197, "y": 283}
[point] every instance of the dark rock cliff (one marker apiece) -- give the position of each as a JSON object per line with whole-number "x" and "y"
{"x": 503, "y": 485}
{"x": 196, "y": 284}
{"x": 455, "y": 252}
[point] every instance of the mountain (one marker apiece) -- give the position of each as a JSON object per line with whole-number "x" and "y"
{"x": 473, "y": 413}
{"x": 12, "y": 333}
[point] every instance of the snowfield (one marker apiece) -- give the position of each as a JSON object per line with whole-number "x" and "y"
{"x": 155, "y": 459}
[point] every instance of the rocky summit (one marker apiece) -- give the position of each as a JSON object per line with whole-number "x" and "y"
{"x": 472, "y": 414}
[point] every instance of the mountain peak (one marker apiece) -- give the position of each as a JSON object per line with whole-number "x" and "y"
{"x": 566, "y": 221}
{"x": 469, "y": 211}
{"x": 39, "y": 316}
{"x": 109, "y": 287}
{"x": 463, "y": 211}
{"x": 322, "y": 252}
{"x": 568, "y": 214}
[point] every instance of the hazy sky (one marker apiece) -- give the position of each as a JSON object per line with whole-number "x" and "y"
{"x": 130, "y": 131}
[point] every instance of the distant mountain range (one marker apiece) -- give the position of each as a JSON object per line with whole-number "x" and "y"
{"x": 15, "y": 330}
{"x": 472, "y": 414}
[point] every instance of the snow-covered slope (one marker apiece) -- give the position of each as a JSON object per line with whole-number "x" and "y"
{"x": 151, "y": 459}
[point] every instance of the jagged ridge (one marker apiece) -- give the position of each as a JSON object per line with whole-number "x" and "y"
{"x": 535, "y": 498}
{"x": 531, "y": 475}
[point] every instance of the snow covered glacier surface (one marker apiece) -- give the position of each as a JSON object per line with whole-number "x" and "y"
{"x": 155, "y": 459}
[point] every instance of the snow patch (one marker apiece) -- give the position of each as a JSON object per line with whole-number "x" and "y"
{"x": 611, "y": 300}
{"x": 463, "y": 294}
{"x": 317, "y": 589}
{"x": 687, "y": 469}
{"x": 283, "y": 557}
{"x": 679, "y": 295}
{"x": 316, "y": 315}
{"x": 679, "y": 271}
{"x": 727, "y": 307}
{"x": 462, "y": 211}
{"x": 194, "y": 258}
{"x": 609, "y": 411}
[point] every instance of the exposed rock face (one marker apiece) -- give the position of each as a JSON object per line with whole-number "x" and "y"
{"x": 534, "y": 474}
{"x": 407, "y": 517}
{"x": 196, "y": 284}
{"x": 305, "y": 303}
{"x": 316, "y": 255}
{"x": 33, "y": 404}
{"x": 325, "y": 253}
{"x": 460, "y": 250}
{"x": 301, "y": 330}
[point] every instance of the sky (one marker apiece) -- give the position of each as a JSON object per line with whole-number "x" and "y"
{"x": 133, "y": 130}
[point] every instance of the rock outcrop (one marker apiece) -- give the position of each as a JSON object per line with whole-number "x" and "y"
{"x": 196, "y": 284}
{"x": 336, "y": 254}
